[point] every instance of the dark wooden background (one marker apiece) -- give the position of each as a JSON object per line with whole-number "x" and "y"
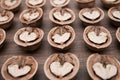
{"x": 78, "y": 48}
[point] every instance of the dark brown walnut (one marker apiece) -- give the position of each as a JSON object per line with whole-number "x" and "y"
{"x": 62, "y": 16}
{"x": 31, "y": 17}
{"x": 35, "y": 3}
{"x": 6, "y": 19}
{"x": 97, "y": 37}
{"x": 11, "y": 5}
{"x": 2, "y": 37}
{"x": 114, "y": 16}
{"x": 19, "y": 68}
{"x": 61, "y": 37}
{"x": 61, "y": 66}
{"x": 91, "y": 16}
{"x": 85, "y": 3}
{"x": 103, "y": 67}
{"x": 118, "y": 34}
{"x": 29, "y": 38}
{"x": 110, "y": 3}
{"x": 59, "y": 3}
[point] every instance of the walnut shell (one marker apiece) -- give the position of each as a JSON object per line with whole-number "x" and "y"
{"x": 94, "y": 58}
{"x": 65, "y": 45}
{"x": 35, "y": 22}
{"x": 88, "y": 22}
{"x": 11, "y": 8}
{"x": 69, "y": 21}
{"x": 32, "y": 45}
{"x": 7, "y": 24}
{"x": 95, "y": 46}
{"x": 68, "y": 57}
{"x": 113, "y": 20}
{"x": 29, "y": 60}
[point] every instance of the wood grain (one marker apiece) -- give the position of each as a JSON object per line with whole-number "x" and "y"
{"x": 79, "y": 48}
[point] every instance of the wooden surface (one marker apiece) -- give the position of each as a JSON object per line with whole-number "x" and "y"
{"x": 79, "y": 48}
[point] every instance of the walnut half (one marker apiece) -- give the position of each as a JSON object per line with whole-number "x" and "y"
{"x": 103, "y": 67}
{"x": 61, "y": 66}
{"x": 29, "y": 38}
{"x": 19, "y": 68}
{"x": 97, "y": 37}
{"x": 61, "y": 37}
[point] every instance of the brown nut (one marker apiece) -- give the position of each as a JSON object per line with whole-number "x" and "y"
{"x": 19, "y": 68}
{"x": 35, "y": 3}
{"x": 31, "y": 17}
{"x": 110, "y": 3}
{"x": 103, "y": 67}
{"x": 114, "y": 16}
{"x": 59, "y": 3}
{"x": 85, "y": 3}
{"x": 61, "y": 37}
{"x": 11, "y": 5}
{"x": 62, "y": 16}
{"x": 29, "y": 38}
{"x": 6, "y": 19}
{"x": 91, "y": 16}
{"x": 97, "y": 37}
{"x": 61, "y": 66}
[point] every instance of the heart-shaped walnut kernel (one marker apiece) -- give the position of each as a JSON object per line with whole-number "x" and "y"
{"x": 61, "y": 66}
{"x": 28, "y": 36}
{"x": 61, "y": 70}
{"x": 103, "y": 67}
{"x": 19, "y": 68}
{"x": 16, "y": 71}
{"x": 61, "y": 16}
{"x": 105, "y": 71}
{"x": 61, "y": 37}
{"x": 97, "y": 37}
{"x": 92, "y": 15}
